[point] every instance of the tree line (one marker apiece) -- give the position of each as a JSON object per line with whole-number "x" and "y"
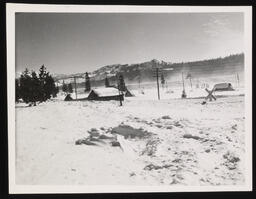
{"x": 34, "y": 87}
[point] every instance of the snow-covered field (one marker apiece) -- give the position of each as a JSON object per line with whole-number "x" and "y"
{"x": 182, "y": 142}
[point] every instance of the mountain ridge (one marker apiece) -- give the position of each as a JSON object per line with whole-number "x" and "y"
{"x": 144, "y": 71}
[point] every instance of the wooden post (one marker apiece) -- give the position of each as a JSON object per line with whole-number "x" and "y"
{"x": 157, "y": 77}
{"x": 75, "y": 86}
{"x": 120, "y": 98}
{"x": 183, "y": 95}
{"x": 119, "y": 92}
{"x": 156, "y": 74}
{"x": 183, "y": 81}
{"x": 85, "y": 82}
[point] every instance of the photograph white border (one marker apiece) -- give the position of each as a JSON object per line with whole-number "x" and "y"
{"x": 12, "y": 8}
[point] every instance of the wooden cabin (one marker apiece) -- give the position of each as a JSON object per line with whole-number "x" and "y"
{"x": 223, "y": 87}
{"x": 105, "y": 94}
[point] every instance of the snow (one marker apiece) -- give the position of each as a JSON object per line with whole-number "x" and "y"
{"x": 189, "y": 143}
{"x": 175, "y": 93}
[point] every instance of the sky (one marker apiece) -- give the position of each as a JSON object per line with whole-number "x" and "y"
{"x": 69, "y": 43}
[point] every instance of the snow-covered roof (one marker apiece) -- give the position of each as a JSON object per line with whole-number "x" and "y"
{"x": 101, "y": 92}
{"x": 222, "y": 85}
{"x": 79, "y": 95}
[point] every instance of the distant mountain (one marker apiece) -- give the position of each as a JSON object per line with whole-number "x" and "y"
{"x": 144, "y": 71}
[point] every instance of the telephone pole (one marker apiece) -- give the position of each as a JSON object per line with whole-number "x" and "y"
{"x": 157, "y": 80}
{"x": 75, "y": 86}
{"x": 183, "y": 81}
{"x": 183, "y": 95}
{"x": 156, "y": 74}
{"x": 85, "y": 81}
{"x": 119, "y": 91}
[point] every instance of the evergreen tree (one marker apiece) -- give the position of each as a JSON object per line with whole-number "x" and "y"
{"x": 42, "y": 72}
{"x": 34, "y": 88}
{"x": 42, "y": 78}
{"x": 64, "y": 87}
{"x": 87, "y": 82}
{"x": 49, "y": 86}
{"x": 162, "y": 79}
{"x": 17, "y": 90}
{"x": 106, "y": 82}
{"x": 70, "y": 88}
{"x": 25, "y": 84}
{"x": 56, "y": 90}
{"x": 121, "y": 84}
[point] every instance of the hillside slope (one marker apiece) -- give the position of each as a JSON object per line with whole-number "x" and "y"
{"x": 143, "y": 72}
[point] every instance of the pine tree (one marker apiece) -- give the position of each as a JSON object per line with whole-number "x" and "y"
{"x": 34, "y": 88}
{"x": 42, "y": 78}
{"x": 42, "y": 74}
{"x": 121, "y": 83}
{"x": 106, "y": 82}
{"x": 87, "y": 82}
{"x": 49, "y": 86}
{"x": 162, "y": 80}
{"x": 70, "y": 88}
{"x": 25, "y": 84}
{"x": 56, "y": 91}
{"x": 17, "y": 90}
{"x": 64, "y": 87}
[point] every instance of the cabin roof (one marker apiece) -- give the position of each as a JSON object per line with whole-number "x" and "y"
{"x": 222, "y": 85}
{"x": 104, "y": 92}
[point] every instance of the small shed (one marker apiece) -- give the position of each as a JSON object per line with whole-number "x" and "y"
{"x": 105, "y": 94}
{"x": 223, "y": 87}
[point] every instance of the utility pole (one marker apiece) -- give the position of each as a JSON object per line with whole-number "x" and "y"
{"x": 157, "y": 77}
{"x": 157, "y": 73}
{"x": 75, "y": 86}
{"x": 183, "y": 81}
{"x": 120, "y": 98}
{"x": 119, "y": 92}
{"x": 85, "y": 81}
{"x": 183, "y": 95}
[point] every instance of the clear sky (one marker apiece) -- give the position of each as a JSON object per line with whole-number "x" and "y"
{"x": 71, "y": 43}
